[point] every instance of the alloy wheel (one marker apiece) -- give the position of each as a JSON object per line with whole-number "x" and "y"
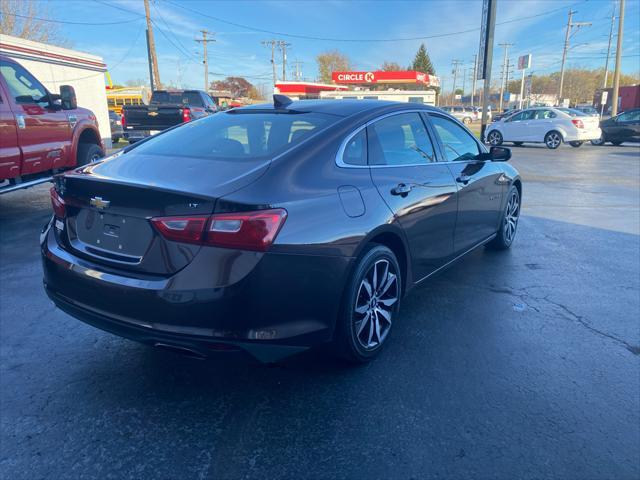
{"x": 377, "y": 294}
{"x": 553, "y": 140}
{"x": 495, "y": 138}
{"x": 511, "y": 217}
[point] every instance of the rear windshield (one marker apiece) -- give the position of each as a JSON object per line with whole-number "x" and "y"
{"x": 572, "y": 112}
{"x": 237, "y": 135}
{"x": 182, "y": 98}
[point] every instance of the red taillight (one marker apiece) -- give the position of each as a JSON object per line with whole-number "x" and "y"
{"x": 123, "y": 121}
{"x": 577, "y": 122}
{"x": 59, "y": 209}
{"x": 181, "y": 229}
{"x": 244, "y": 230}
{"x": 186, "y": 115}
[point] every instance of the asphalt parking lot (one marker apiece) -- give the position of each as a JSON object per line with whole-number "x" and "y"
{"x": 524, "y": 364}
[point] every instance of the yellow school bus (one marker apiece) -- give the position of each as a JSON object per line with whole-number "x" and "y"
{"x": 119, "y": 97}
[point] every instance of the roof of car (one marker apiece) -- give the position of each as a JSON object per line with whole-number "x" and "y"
{"x": 343, "y": 108}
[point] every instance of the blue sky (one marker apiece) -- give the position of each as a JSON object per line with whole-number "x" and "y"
{"x": 535, "y": 27}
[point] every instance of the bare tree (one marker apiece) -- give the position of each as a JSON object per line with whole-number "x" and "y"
{"x": 27, "y": 19}
{"x": 331, "y": 61}
{"x": 390, "y": 67}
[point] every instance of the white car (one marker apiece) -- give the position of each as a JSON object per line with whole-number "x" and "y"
{"x": 465, "y": 114}
{"x": 547, "y": 125}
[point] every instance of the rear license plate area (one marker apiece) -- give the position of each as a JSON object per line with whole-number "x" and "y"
{"x": 119, "y": 234}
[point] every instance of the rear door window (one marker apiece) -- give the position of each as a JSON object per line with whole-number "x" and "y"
{"x": 179, "y": 98}
{"x": 235, "y": 135}
{"x": 525, "y": 115}
{"x": 544, "y": 114}
{"x": 400, "y": 140}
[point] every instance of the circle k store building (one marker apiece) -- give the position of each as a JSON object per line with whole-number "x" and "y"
{"x": 361, "y": 84}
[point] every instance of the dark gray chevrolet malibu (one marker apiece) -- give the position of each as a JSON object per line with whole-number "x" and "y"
{"x": 274, "y": 228}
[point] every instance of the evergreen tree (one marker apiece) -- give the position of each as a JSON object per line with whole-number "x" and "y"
{"x": 422, "y": 62}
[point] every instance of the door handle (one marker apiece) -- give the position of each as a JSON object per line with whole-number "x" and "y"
{"x": 401, "y": 189}
{"x": 464, "y": 179}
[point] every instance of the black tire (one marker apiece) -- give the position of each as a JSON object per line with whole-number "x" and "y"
{"x": 553, "y": 139}
{"x": 616, "y": 143}
{"x": 518, "y": 144}
{"x": 362, "y": 346}
{"x": 576, "y": 144}
{"x": 508, "y": 222}
{"x": 599, "y": 142}
{"x": 87, "y": 153}
{"x": 494, "y": 138}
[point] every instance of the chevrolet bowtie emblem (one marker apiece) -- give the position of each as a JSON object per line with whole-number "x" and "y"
{"x": 99, "y": 203}
{"x": 152, "y": 114}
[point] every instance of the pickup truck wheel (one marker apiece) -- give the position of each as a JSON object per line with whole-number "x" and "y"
{"x": 88, "y": 152}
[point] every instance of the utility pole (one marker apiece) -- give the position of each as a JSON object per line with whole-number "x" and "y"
{"x": 151, "y": 50}
{"x": 454, "y": 64}
{"x": 464, "y": 80}
{"x": 283, "y": 46}
{"x": 150, "y": 62}
{"x": 204, "y": 40}
{"x": 475, "y": 73}
{"x": 616, "y": 73}
{"x": 272, "y": 44}
{"x": 504, "y": 70}
{"x": 565, "y": 50}
{"x": 506, "y": 81}
{"x": 298, "y": 71}
{"x": 606, "y": 63}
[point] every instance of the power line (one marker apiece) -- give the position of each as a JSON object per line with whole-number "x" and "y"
{"x": 116, "y": 65}
{"x": 361, "y": 40}
{"x": 68, "y": 22}
{"x": 178, "y": 45}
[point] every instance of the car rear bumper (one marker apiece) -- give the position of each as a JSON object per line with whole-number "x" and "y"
{"x": 583, "y": 135}
{"x": 135, "y": 135}
{"x": 282, "y": 304}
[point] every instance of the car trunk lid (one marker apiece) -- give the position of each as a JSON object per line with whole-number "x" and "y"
{"x": 109, "y": 206}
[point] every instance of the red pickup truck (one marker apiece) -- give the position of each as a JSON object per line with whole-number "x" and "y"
{"x": 42, "y": 133}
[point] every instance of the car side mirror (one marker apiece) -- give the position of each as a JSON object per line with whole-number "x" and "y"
{"x": 55, "y": 102}
{"x": 500, "y": 154}
{"x": 68, "y": 97}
